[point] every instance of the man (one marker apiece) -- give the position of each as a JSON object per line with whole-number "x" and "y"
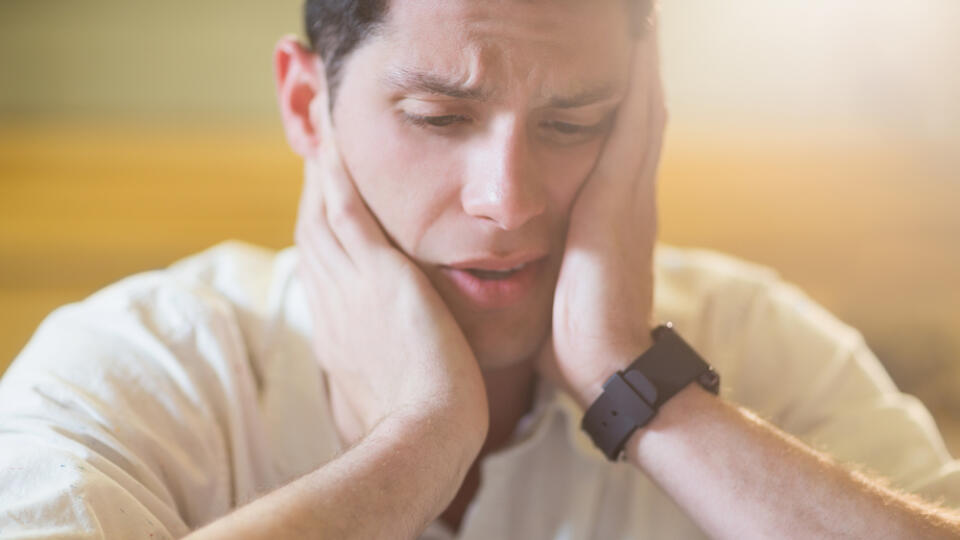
{"x": 475, "y": 258}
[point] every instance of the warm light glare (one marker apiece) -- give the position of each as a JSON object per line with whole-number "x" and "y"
{"x": 888, "y": 65}
{"x": 818, "y": 137}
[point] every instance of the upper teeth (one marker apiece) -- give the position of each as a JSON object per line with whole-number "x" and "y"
{"x": 507, "y": 271}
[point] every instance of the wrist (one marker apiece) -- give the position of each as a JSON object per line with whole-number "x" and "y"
{"x": 691, "y": 412}
{"x": 631, "y": 398}
{"x": 457, "y": 436}
{"x": 614, "y": 359}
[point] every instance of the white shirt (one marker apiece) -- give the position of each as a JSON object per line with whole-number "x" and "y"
{"x": 170, "y": 398}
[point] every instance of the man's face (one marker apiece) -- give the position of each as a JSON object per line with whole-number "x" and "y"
{"x": 468, "y": 127}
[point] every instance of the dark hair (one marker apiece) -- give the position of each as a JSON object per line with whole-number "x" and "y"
{"x": 336, "y": 27}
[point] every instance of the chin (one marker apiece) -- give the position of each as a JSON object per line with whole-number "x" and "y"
{"x": 508, "y": 342}
{"x": 500, "y": 357}
{"x": 505, "y": 337}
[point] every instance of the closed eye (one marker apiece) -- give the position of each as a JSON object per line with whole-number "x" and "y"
{"x": 566, "y": 128}
{"x": 434, "y": 121}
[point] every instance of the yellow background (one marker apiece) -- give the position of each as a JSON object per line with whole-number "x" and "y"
{"x": 822, "y": 141}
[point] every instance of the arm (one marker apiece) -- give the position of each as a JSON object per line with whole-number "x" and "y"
{"x": 385, "y": 475}
{"x": 734, "y": 474}
{"x": 109, "y": 428}
{"x": 135, "y": 415}
{"x": 739, "y": 477}
{"x": 406, "y": 390}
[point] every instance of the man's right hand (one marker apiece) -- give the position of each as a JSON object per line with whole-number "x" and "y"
{"x": 388, "y": 344}
{"x": 385, "y": 339}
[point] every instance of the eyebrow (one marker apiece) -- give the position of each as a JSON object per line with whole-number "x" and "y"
{"x": 584, "y": 97}
{"x": 407, "y": 80}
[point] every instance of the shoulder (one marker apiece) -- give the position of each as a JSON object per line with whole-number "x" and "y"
{"x": 141, "y": 385}
{"x": 715, "y": 294}
{"x": 188, "y": 319}
{"x": 240, "y": 272}
{"x": 766, "y": 336}
{"x": 690, "y": 281}
{"x": 788, "y": 359}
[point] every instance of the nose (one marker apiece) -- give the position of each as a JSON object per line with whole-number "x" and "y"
{"x": 502, "y": 184}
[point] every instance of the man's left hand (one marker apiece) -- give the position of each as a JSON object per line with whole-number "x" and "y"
{"x": 604, "y": 297}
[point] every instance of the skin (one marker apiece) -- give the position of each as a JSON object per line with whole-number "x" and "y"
{"x": 497, "y": 177}
{"x": 386, "y": 201}
{"x": 500, "y": 180}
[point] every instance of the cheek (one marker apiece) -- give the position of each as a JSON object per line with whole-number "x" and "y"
{"x": 404, "y": 188}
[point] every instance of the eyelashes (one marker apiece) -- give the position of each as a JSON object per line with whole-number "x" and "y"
{"x": 563, "y": 129}
{"x": 435, "y": 121}
{"x": 566, "y": 128}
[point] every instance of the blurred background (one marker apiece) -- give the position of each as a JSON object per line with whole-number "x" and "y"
{"x": 819, "y": 137}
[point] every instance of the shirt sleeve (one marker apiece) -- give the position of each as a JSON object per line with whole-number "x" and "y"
{"x": 816, "y": 378}
{"x": 123, "y": 417}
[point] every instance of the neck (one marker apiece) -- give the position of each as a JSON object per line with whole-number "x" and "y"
{"x": 510, "y": 394}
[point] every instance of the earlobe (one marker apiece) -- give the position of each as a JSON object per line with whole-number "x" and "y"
{"x": 300, "y": 82}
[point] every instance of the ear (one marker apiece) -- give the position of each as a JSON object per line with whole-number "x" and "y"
{"x": 301, "y": 81}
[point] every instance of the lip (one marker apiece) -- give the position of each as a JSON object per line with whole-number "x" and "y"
{"x": 497, "y": 263}
{"x": 496, "y": 293}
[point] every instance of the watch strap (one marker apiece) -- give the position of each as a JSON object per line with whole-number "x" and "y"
{"x": 671, "y": 364}
{"x": 615, "y": 415}
{"x": 631, "y": 398}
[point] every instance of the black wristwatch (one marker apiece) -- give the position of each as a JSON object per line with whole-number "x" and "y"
{"x": 631, "y": 397}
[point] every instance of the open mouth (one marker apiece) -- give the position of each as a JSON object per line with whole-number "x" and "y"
{"x": 495, "y": 274}
{"x": 487, "y": 288}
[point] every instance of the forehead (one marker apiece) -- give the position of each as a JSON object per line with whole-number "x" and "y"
{"x": 500, "y": 48}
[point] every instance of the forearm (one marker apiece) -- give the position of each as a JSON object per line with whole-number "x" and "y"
{"x": 739, "y": 477}
{"x": 391, "y": 484}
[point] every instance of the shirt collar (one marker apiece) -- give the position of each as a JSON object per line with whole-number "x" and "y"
{"x": 550, "y": 405}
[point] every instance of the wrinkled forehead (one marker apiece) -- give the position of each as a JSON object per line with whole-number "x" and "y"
{"x": 494, "y": 49}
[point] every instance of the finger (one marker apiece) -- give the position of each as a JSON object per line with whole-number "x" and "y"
{"x": 644, "y": 189}
{"x": 316, "y": 243}
{"x": 638, "y": 122}
{"x": 309, "y": 280}
{"x": 314, "y": 254}
{"x": 350, "y": 219}
{"x": 656, "y": 113}
{"x": 313, "y": 224}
